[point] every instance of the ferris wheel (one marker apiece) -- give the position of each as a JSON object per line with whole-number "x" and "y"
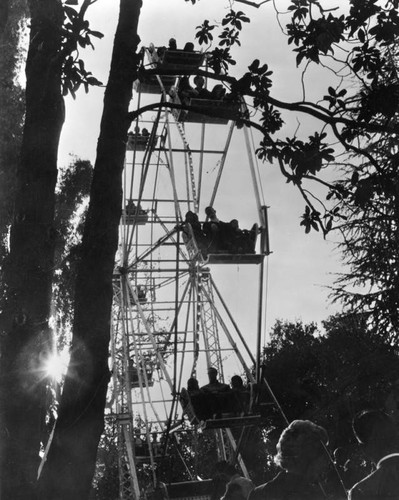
{"x": 170, "y": 320}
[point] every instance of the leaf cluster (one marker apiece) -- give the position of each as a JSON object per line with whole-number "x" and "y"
{"x": 220, "y": 57}
{"x": 336, "y": 99}
{"x": 317, "y": 37}
{"x": 310, "y": 219}
{"x": 302, "y": 157}
{"x": 76, "y": 33}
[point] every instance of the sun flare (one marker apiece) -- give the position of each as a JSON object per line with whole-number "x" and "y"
{"x": 56, "y": 366}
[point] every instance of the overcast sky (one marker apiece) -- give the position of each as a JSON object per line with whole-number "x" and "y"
{"x": 301, "y": 266}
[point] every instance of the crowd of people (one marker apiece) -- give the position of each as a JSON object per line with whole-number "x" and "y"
{"x": 304, "y": 459}
{"x": 215, "y": 236}
{"x": 307, "y": 466}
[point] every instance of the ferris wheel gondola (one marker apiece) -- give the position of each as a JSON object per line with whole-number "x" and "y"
{"x": 170, "y": 321}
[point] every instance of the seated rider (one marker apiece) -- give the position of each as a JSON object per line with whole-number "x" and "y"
{"x": 199, "y": 235}
{"x": 218, "y": 394}
{"x": 193, "y": 386}
{"x": 202, "y": 92}
{"x": 214, "y": 385}
{"x": 186, "y": 91}
{"x": 242, "y": 395}
{"x": 240, "y": 241}
{"x": 172, "y": 44}
{"x": 188, "y": 47}
{"x": 213, "y": 230}
{"x": 198, "y": 399}
{"x": 218, "y": 92}
{"x": 130, "y": 207}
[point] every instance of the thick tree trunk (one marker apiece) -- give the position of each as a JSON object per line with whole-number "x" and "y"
{"x": 29, "y": 267}
{"x": 70, "y": 465}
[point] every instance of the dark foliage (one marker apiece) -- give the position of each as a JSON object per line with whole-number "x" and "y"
{"x": 328, "y": 378}
{"x": 70, "y": 211}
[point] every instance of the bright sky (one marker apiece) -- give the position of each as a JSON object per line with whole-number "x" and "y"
{"x": 301, "y": 266}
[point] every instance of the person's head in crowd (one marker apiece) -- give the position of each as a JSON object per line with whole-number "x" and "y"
{"x": 189, "y": 47}
{"x": 212, "y": 374}
{"x": 238, "y": 489}
{"x": 192, "y": 384}
{"x": 301, "y": 449}
{"x": 191, "y": 217}
{"x": 199, "y": 82}
{"x": 377, "y": 433}
{"x": 172, "y": 44}
{"x": 236, "y": 382}
{"x": 210, "y": 212}
{"x": 218, "y": 92}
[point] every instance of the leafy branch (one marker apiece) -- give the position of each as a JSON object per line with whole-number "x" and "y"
{"x": 76, "y": 33}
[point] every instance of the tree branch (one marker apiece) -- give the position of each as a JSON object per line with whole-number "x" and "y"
{"x": 252, "y": 4}
{"x": 212, "y": 112}
{"x": 306, "y": 107}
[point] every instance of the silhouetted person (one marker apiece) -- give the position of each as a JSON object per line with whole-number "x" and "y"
{"x": 214, "y": 384}
{"x": 379, "y": 437}
{"x": 189, "y": 47}
{"x": 301, "y": 455}
{"x": 197, "y": 398}
{"x": 213, "y": 230}
{"x": 219, "y": 395}
{"x": 200, "y": 238}
{"x": 186, "y": 91}
{"x": 192, "y": 385}
{"x": 218, "y": 92}
{"x": 172, "y": 44}
{"x": 211, "y": 216}
{"x": 237, "y": 383}
{"x": 241, "y": 395}
{"x": 237, "y": 487}
{"x": 238, "y": 241}
{"x": 202, "y": 92}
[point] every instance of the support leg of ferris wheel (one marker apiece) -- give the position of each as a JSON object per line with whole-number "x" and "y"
{"x": 233, "y": 445}
{"x": 228, "y": 450}
{"x": 128, "y": 480}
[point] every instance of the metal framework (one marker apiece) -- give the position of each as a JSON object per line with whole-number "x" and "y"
{"x": 170, "y": 321}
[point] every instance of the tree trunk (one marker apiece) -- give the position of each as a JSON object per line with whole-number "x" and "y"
{"x": 29, "y": 266}
{"x": 70, "y": 464}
